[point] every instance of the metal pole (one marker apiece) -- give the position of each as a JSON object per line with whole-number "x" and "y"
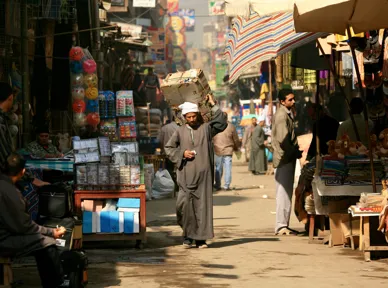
{"x": 98, "y": 54}
{"x": 365, "y": 113}
{"x": 25, "y": 72}
{"x": 317, "y": 111}
{"x": 270, "y": 111}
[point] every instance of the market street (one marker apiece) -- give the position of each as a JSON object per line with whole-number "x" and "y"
{"x": 245, "y": 253}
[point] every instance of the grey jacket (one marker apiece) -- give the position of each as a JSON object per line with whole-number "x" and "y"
{"x": 284, "y": 140}
{"x": 19, "y": 235}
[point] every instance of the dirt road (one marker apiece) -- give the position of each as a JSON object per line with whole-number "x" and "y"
{"x": 245, "y": 252}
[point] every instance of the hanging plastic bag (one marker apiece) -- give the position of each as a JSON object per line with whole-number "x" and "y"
{"x": 163, "y": 185}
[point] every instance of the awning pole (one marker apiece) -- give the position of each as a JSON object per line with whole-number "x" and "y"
{"x": 365, "y": 112}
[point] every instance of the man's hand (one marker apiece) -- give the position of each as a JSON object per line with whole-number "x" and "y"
{"x": 60, "y": 155}
{"x": 189, "y": 154}
{"x": 39, "y": 183}
{"x": 210, "y": 99}
{"x": 59, "y": 232}
{"x": 265, "y": 143}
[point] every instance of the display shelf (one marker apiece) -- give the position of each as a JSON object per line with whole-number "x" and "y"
{"x": 140, "y": 237}
{"x": 365, "y": 233}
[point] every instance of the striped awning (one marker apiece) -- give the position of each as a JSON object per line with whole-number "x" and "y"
{"x": 260, "y": 39}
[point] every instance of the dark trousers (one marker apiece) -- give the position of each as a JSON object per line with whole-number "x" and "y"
{"x": 49, "y": 267}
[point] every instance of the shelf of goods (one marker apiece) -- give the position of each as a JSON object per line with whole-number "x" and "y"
{"x": 127, "y": 223}
{"x": 341, "y": 182}
{"x": 367, "y": 235}
{"x": 110, "y": 194}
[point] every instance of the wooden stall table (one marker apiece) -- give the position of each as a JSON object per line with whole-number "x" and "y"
{"x": 133, "y": 192}
{"x": 365, "y": 241}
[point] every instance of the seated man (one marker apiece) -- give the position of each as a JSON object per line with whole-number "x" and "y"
{"x": 41, "y": 148}
{"x": 19, "y": 235}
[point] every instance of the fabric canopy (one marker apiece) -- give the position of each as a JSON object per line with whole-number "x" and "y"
{"x": 261, "y": 39}
{"x": 331, "y": 16}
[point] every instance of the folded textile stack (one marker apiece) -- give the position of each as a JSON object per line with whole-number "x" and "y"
{"x": 333, "y": 169}
{"x": 359, "y": 171}
{"x": 371, "y": 200}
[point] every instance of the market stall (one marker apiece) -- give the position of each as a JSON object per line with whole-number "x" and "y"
{"x": 110, "y": 194}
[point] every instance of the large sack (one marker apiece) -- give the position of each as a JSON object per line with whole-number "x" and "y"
{"x": 163, "y": 185}
{"x": 149, "y": 177}
{"x": 155, "y": 112}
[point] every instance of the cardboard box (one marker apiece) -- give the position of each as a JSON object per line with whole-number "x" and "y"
{"x": 336, "y": 234}
{"x": 92, "y": 205}
{"x": 350, "y": 225}
{"x": 189, "y": 86}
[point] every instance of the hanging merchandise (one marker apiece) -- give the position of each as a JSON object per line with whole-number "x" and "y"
{"x": 127, "y": 127}
{"x": 91, "y": 93}
{"x": 89, "y": 66}
{"x": 93, "y": 119}
{"x": 371, "y": 53}
{"x": 107, "y": 104}
{"x": 79, "y": 119}
{"x": 84, "y": 84}
{"x": 90, "y": 80}
{"x": 79, "y": 106}
{"x": 93, "y": 106}
{"x": 78, "y": 93}
{"x": 76, "y": 67}
{"x": 108, "y": 129}
{"x": 77, "y": 80}
{"x": 124, "y": 103}
{"x": 76, "y": 54}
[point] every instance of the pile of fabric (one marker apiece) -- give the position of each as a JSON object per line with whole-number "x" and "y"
{"x": 333, "y": 170}
{"x": 359, "y": 172}
{"x": 303, "y": 193}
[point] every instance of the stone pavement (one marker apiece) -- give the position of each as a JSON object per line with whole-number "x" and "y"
{"x": 245, "y": 252}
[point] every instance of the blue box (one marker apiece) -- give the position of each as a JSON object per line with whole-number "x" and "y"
{"x": 114, "y": 222}
{"x": 128, "y": 203}
{"x": 129, "y": 222}
{"x": 87, "y": 223}
{"x": 109, "y": 222}
{"x": 105, "y": 221}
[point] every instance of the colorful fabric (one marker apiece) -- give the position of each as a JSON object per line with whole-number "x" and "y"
{"x": 30, "y": 193}
{"x": 260, "y": 39}
{"x": 60, "y": 165}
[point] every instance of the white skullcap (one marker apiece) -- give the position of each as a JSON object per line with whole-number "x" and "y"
{"x": 261, "y": 118}
{"x": 188, "y": 107}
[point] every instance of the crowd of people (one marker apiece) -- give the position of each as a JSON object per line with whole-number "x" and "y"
{"x": 201, "y": 153}
{"x": 198, "y": 153}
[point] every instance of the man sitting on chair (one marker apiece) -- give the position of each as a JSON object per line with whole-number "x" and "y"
{"x": 19, "y": 235}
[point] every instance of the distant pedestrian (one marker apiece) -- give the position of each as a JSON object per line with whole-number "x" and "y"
{"x": 224, "y": 144}
{"x": 246, "y": 141}
{"x": 258, "y": 159}
{"x": 286, "y": 152}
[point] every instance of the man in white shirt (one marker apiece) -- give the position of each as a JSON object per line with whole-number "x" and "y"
{"x": 346, "y": 127}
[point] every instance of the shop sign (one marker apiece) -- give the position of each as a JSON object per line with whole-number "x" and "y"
{"x": 216, "y": 7}
{"x": 144, "y": 3}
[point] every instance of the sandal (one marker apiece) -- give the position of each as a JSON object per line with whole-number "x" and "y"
{"x": 286, "y": 232}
